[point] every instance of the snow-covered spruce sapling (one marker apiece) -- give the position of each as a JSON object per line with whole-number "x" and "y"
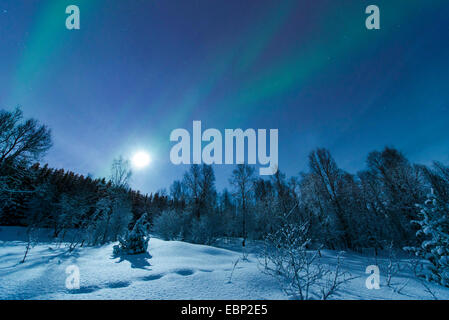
{"x": 134, "y": 241}
{"x": 434, "y": 247}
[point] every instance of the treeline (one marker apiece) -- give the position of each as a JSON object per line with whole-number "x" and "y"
{"x": 61, "y": 200}
{"x": 79, "y": 210}
{"x": 372, "y": 208}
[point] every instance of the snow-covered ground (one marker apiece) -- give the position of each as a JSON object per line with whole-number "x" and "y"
{"x": 170, "y": 270}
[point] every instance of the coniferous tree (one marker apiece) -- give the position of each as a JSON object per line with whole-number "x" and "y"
{"x": 434, "y": 232}
{"x": 134, "y": 241}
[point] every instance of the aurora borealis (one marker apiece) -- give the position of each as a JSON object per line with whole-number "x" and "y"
{"x": 138, "y": 69}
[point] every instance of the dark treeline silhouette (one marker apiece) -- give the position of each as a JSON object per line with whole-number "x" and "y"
{"x": 77, "y": 209}
{"x": 45, "y": 194}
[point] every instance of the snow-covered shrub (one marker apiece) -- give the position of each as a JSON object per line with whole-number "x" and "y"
{"x": 170, "y": 225}
{"x": 286, "y": 251}
{"x": 32, "y": 240}
{"x": 121, "y": 217}
{"x": 176, "y": 225}
{"x": 110, "y": 220}
{"x": 134, "y": 241}
{"x": 204, "y": 230}
{"x": 299, "y": 270}
{"x": 434, "y": 232}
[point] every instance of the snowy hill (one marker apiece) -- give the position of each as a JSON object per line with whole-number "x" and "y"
{"x": 169, "y": 270}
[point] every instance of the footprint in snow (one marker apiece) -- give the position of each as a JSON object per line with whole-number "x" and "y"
{"x": 152, "y": 277}
{"x": 119, "y": 284}
{"x": 184, "y": 272}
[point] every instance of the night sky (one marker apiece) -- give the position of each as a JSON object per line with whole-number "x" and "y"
{"x": 138, "y": 69}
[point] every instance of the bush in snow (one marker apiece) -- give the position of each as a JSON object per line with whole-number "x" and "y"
{"x": 434, "y": 232}
{"x": 136, "y": 241}
{"x": 299, "y": 270}
{"x": 205, "y": 230}
{"x": 178, "y": 225}
{"x": 170, "y": 225}
{"x": 111, "y": 218}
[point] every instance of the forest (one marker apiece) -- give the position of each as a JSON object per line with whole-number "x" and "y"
{"x": 391, "y": 203}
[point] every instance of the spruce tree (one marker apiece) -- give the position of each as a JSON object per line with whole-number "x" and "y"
{"x": 434, "y": 232}
{"x": 136, "y": 241}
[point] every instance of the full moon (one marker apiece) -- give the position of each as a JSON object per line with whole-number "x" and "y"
{"x": 141, "y": 159}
